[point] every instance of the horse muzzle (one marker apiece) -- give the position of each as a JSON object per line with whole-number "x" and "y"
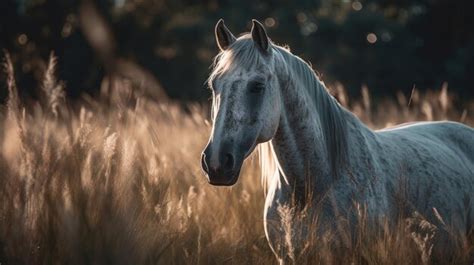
{"x": 224, "y": 171}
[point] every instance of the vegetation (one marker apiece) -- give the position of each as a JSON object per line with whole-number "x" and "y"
{"x": 117, "y": 180}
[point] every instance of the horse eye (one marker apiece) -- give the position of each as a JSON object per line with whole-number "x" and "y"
{"x": 257, "y": 88}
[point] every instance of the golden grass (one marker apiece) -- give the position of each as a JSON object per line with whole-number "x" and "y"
{"x": 120, "y": 183}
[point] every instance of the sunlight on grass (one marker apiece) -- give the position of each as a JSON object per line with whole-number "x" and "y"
{"x": 118, "y": 181}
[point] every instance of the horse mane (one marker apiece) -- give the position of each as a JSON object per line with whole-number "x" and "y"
{"x": 330, "y": 112}
{"x": 244, "y": 53}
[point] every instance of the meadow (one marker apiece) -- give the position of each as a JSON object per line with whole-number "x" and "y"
{"x": 116, "y": 179}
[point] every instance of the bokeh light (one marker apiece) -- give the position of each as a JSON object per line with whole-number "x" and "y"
{"x": 357, "y": 6}
{"x": 371, "y": 38}
{"x": 22, "y": 39}
{"x": 301, "y": 17}
{"x": 270, "y": 22}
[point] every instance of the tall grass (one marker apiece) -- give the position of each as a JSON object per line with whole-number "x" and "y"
{"x": 120, "y": 183}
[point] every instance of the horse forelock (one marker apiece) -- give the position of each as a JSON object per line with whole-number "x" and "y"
{"x": 242, "y": 53}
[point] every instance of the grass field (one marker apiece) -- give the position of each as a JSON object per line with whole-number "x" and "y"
{"x": 117, "y": 180}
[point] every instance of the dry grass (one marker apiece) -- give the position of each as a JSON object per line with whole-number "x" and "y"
{"x": 120, "y": 183}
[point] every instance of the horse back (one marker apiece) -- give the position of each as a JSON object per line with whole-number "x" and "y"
{"x": 433, "y": 162}
{"x": 434, "y": 139}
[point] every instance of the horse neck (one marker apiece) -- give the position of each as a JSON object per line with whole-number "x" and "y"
{"x": 301, "y": 142}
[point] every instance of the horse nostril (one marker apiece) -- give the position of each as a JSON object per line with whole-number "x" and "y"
{"x": 229, "y": 162}
{"x": 204, "y": 164}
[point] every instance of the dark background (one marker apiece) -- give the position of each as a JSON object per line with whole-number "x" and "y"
{"x": 387, "y": 45}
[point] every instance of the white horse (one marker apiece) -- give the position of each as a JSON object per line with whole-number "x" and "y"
{"x": 263, "y": 94}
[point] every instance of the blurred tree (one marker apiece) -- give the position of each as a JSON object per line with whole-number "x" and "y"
{"x": 385, "y": 44}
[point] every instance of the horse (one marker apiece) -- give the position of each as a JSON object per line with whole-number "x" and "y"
{"x": 266, "y": 98}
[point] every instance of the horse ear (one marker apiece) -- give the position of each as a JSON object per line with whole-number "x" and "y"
{"x": 224, "y": 37}
{"x": 259, "y": 35}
